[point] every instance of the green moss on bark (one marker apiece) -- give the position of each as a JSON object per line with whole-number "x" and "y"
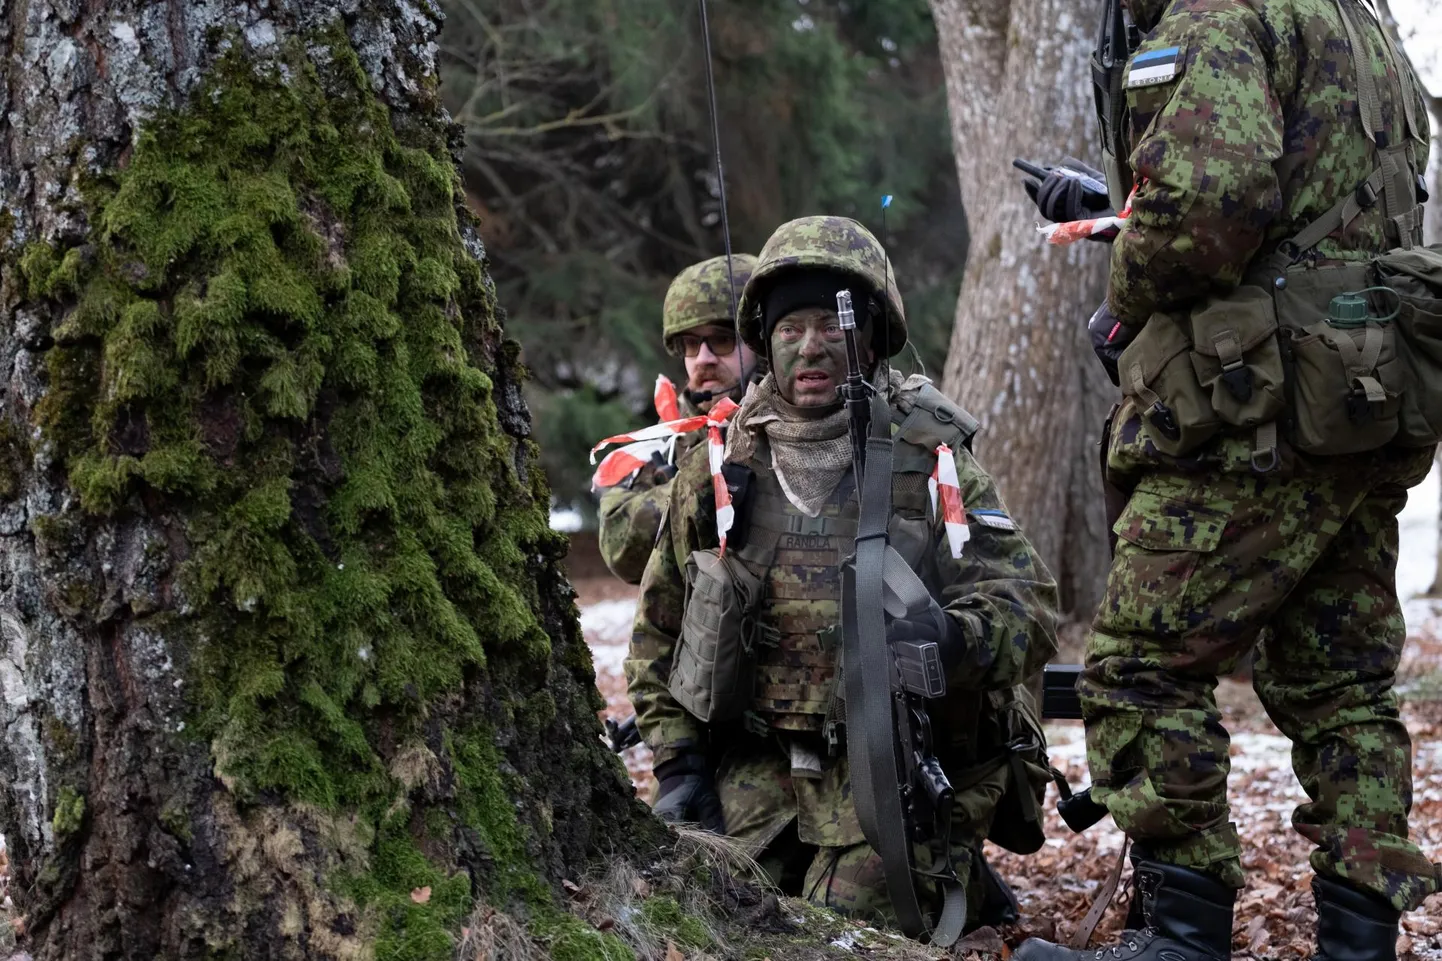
{"x": 276, "y": 330}
{"x": 69, "y": 813}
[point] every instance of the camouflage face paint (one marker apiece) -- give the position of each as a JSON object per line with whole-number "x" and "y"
{"x": 808, "y": 356}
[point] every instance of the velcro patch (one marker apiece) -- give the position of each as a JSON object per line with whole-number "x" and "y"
{"x": 1153, "y": 67}
{"x": 991, "y": 518}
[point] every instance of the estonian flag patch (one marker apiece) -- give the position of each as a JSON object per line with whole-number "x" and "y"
{"x": 1153, "y": 66}
{"x": 993, "y": 518}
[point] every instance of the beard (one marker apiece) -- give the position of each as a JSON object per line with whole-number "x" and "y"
{"x": 712, "y": 377}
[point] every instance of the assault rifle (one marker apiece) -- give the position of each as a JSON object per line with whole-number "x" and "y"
{"x": 1059, "y": 702}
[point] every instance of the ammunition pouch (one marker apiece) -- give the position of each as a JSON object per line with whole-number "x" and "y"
{"x": 713, "y": 672}
{"x": 1157, "y": 372}
{"x": 1347, "y": 356}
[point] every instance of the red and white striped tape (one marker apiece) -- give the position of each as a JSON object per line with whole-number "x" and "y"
{"x": 667, "y": 407}
{"x": 642, "y": 444}
{"x": 725, "y": 513}
{"x": 1069, "y": 233}
{"x": 945, "y": 486}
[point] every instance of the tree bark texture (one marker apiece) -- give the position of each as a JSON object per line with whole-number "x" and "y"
{"x": 1017, "y": 86}
{"x": 287, "y": 666}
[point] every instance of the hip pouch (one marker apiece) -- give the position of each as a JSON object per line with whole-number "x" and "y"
{"x": 716, "y": 655}
{"x": 1156, "y": 371}
{"x": 1217, "y": 369}
{"x": 1415, "y": 279}
{"x": 1347, "y": 384}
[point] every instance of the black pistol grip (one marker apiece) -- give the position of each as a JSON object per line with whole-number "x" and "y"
{"x": 1080, "y": 812}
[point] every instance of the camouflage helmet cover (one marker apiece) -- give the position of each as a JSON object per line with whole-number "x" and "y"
{"x": 701, "y": 295}
{"x": 831, "y": 243}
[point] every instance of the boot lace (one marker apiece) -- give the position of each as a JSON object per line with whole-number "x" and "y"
{"x": 1132, "y": 942}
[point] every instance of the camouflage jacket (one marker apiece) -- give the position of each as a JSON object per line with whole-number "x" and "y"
{"x": 1248, "y": 131}
{"x": 999, "y": 589}
{"x": 631, "y": 514}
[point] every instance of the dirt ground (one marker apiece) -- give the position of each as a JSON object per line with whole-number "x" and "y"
{"x": 1058, "y": 884}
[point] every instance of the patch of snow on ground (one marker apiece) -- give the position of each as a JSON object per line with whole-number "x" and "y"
{"x": 607, "y": 626}
{"x": 567, "y": 520}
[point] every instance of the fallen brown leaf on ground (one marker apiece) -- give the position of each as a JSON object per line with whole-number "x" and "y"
{"x": 1056, "y": 885}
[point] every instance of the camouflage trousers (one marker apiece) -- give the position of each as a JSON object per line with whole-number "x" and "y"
{"x": 1302, "y": 563}
{"x": 811, "y": 845}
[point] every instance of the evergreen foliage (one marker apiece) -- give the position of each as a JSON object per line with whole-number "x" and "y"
{"x": 588, "y": 156}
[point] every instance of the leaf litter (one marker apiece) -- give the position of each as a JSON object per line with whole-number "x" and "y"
{"x": 1274, "y": 915}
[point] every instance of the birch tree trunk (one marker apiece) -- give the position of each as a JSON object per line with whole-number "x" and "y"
{"x": 1017, "y": 86}
{"x": 287, "y": 668}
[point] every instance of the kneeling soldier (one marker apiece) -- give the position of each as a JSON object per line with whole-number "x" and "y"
{"x": 753, "y": 742}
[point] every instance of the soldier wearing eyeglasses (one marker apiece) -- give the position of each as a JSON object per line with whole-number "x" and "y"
{"x": 697, "y": 326}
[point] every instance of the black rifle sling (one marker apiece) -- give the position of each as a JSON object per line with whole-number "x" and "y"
{"x": 872, "y": 718}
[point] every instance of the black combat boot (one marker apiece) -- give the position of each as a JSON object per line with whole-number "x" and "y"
{"x": 1186, "y": 914}
{"x": 1353, "y": 925}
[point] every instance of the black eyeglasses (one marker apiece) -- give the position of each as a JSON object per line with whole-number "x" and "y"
{"x": 721, "y": 344}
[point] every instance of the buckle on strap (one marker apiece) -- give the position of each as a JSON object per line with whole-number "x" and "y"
{"x": 1366, "y": 195}
{"x": 819, "y": 526}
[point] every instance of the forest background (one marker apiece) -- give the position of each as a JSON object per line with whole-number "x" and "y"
{"x": 589, "y": 159}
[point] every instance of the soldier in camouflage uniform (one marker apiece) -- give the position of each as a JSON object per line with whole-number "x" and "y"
{"x": 1245, "y": 128}
{"x": 776, "y": 779}
{"x": 696, "y": 325}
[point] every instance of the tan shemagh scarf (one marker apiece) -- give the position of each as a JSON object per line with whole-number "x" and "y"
{"x": 810, "y": 446}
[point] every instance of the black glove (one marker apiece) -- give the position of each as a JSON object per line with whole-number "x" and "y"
{"x": 927, "y": 645}
{"x": 653, "y": 473}
{"x": 1062, "y": 198}
{"x": 687, "y": 793}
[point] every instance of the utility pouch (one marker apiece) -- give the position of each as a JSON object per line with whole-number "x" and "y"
{"x": 715, "y": 657}
{"x": 1237, "y": 358}
{"x": 1018, "y": 824}
{"x": 1347, "y": 383}
{"x": 1156, "y": 371}
{"x": 1415, "y": 277}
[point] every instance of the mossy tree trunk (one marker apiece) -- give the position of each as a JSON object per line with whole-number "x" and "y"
{"x": 287, "y": 667}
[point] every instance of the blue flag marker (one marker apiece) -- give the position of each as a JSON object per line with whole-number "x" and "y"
{"x": 886, "y": 201}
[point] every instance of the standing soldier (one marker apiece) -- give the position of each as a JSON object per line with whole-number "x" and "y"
{"x": 754, "y": 746}
{"x": 696, "y": 323}
{"x": 1275, "y": 413}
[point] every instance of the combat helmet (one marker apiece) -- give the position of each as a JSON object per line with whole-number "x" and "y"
{"x": 701, "y": 295}
{"x": 829, "y": 243}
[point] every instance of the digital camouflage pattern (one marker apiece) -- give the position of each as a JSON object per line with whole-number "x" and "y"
{"x": 830, "y": 243}
{"x": 630, "y": 517}
{"x": 998, "y": 589}
{"x": 701, "y": 295}
{"x": 759, "y": 801}
{"x": 1257, "y": 135}
{"x": 1204, "y": 563}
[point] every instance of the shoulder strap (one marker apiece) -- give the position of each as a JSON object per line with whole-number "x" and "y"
{"x": 1395, "y": 178}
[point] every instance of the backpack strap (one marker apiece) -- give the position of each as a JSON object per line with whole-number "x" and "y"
{"x": 1394, "y": 180}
